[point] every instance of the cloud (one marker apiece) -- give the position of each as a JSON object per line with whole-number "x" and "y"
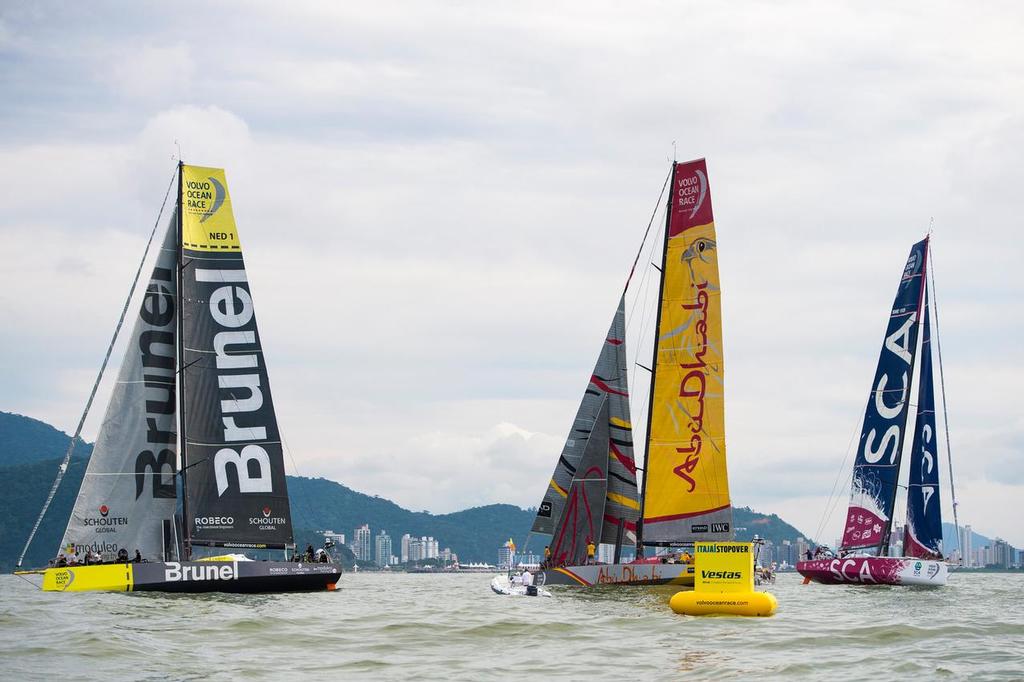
{"x": 439, "y": 206}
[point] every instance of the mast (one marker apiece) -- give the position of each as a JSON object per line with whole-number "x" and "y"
{"x": 654, "y": 368}
{"x": 883, "y": 545}
{"x": 181, "y": 374}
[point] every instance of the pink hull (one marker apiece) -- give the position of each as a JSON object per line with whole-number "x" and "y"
{"x": 871, "y": 570}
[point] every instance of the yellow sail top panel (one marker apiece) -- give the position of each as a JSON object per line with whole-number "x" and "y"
{"x": 207, "y": 221}
{"x": 687, "y": 487}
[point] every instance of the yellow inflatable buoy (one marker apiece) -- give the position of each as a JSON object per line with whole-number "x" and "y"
{"x": 693, "y": 603}
{"x": 724, "y": 583}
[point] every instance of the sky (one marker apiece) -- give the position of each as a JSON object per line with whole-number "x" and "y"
{"x": 439, "y": 204}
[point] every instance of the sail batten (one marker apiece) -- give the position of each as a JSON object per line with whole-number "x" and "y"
{"x": 686, "y": 488}
{"x": 880, "y": 448}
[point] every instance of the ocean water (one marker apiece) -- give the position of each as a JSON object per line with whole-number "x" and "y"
{"x": 452, "y": 627}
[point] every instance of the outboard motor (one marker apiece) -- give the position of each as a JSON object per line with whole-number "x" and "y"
{"x": 531, "y": 590}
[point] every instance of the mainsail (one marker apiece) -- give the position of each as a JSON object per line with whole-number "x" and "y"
{"x": 607, "y": 385}
{"x": 922, "y": 535}
{"x": 876, "y": 469}
{"x": 127, "y": 499}
{"x": 583, "y": 512}
{"x": 686, "y": 487}
{"x": 233, "y": 463}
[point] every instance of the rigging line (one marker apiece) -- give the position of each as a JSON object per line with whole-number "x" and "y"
{"x": 295, "y": 467}
{"x": 833, "y": 499}
{"x": 657, "y": 207}
{"x": 106, "y": 358}
{"x": 945, "y": 413}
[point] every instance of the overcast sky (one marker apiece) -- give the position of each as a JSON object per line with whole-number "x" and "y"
{"x": 439, "y": 204}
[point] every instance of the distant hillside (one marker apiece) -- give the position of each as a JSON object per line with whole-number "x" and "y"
{"x": 30, "y": 453}
{"x": 474, "y": 534}
{"x": 749, "y": 523}
{"x": 949, "y": 539}
{"x": 25, "y": 490}
{"x": 24, "y": 440}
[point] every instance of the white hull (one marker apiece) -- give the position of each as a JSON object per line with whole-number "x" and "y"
{"x": 500, "y": 584}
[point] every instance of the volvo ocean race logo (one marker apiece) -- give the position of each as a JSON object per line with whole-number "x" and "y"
{"x": 105, "y": 523}
{"x": 692, "y": 191}
{"x": 213, "y": 570}
{"x": 268, "y": 522}
{"x": 913, "y": 264}
{"x": 204, "y": 197}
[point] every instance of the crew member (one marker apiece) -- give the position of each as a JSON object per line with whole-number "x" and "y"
{"x": 591, "y": 548}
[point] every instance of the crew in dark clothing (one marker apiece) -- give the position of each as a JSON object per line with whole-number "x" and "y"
{"x": 138, "y": 558}
{"x": 309, "y": 553}
{"x": 122, "y": 556}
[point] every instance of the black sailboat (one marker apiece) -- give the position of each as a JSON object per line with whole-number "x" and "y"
{"x": 192, "y": 401}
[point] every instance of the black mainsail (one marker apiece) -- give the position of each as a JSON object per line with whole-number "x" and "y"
{"x": 236, "y": 494}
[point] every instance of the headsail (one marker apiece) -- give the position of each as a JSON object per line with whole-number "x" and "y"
{"x": 922, "y": 535}
{"x": 582, "y": 515}
{"x": 876, "y": 469}
{"x": 607, "y": 384}
{"x": 128, "y": 492}
{"x": 686, "y": 487}
{"x": 236, "y": 495}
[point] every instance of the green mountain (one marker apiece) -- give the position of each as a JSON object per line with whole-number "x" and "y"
{"x": 749, "y": 523}
{"x": 24, "y": 440}
{"x": 25, "y": 489}
{"x": 30, "y": 453}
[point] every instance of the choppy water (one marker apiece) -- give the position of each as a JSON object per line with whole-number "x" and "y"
{"x": 452, "y": 627}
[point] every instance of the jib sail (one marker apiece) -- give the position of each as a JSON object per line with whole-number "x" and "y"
{"x": 608, "y": 385}
{"x": 129, "y": 487}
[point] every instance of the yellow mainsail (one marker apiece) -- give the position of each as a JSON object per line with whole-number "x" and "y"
{"x": 686, "y": 487}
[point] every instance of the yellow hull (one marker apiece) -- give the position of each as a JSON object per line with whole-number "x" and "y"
{"x": 106, "y": 578}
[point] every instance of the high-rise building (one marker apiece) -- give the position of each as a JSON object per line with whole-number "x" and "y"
{"x": 1002, "y": 553}
{"x": 382, "y": 549}
{"x": 504, "y": 557}
{"x": 966, "y": 550}
{"x": 361, "y": 543}
{"x": 406, "y": 543}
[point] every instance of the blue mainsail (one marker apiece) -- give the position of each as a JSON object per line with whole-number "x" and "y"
{"x": 922, "y": 536}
